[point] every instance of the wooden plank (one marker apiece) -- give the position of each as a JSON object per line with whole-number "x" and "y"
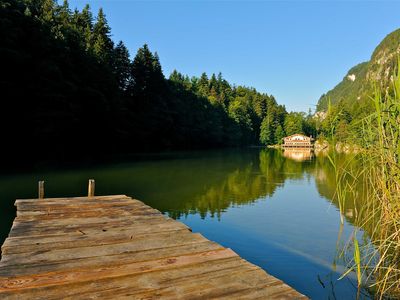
{"x": 49, "y": 207}
{"x": 66, "y": 206}
{"x": 94, "y": 219}
{"x": 21, "y": 230}
{"x": 62, "y": 277}
{"x": 60, "y": 215}
{"x": 139, "y": 244}
{"x": 135, "y": 229}
{"x": 142, "y": 280}
{"x": 74, "y": 199}
{"x": 82, "y": 228}
{"x": 89, "y": 204}
{"x": 180, "y": 248}
{"x": 226, "y": 285}
{"x": 84, "y": 240}
{"x": 220, "y": 283}
{"x": 167, "y": 284}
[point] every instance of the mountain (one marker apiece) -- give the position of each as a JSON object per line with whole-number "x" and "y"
{"x": 350, "y": 88}
{"x": 352, "y": 92}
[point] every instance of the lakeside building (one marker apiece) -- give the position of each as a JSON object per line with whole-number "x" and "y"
{"x": 298, "y": 141}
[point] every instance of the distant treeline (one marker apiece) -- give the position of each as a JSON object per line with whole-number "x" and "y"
{"x": 67, "y": 91}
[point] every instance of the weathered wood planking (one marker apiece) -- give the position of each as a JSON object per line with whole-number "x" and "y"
{"x": 114, "y": 247}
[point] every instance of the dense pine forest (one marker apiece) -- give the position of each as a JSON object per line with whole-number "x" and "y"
{"x": 70, "y": 92}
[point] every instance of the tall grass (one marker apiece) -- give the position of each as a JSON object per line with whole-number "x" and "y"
{"x": 378, "y": 172}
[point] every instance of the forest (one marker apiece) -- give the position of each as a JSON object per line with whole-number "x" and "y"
{"x": 70, "y": 92}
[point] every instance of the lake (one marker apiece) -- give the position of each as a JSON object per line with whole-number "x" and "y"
{"x": 274, "y": 209}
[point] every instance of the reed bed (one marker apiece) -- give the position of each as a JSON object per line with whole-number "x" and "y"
{"x": 376, "y": 168}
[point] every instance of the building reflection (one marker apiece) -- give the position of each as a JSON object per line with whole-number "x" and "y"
{"x": 298, "y": 154}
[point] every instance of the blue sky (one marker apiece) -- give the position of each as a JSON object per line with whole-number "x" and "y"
{"x": 294, "y": 50}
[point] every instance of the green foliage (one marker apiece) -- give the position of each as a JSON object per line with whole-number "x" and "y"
{"x": 101, "y": 41}
{"x": 146, "y": 72}
{"x": 267, "y": 131}
{"x": 238, "y": 111}
{"x": 84, "y": 25}
{"x": 357, "y": 261}
{"x": 294, "y": 123}
{"x": 121, "y": 66}
{"x": 279, "y": 134}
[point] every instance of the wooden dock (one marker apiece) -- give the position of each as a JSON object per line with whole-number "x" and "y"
{"x": 114, "y": 247}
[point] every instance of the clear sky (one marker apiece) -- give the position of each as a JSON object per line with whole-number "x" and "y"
{"x": 294, "y": 50}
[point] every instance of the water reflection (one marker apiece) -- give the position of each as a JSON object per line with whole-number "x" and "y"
{"x": 298, "y": 154}
{"x": 258, "y": 177}
{"x": 276, "y": 209}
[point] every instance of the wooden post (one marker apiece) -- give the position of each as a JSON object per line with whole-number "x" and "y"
{"x": 91, "y": 188}
{"x": 41, "y": 190}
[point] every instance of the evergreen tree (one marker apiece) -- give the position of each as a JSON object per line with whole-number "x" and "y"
{"x": 279, "y": 134}
{"x": 203, "y": 85}
{"x": 214, "y": 84}
{"x": 175, "y": 76}
{"x": 294, "y": 123}
{"x": 122, "y": 65}
{"x": 102, "y": 43}
{"x": 84, "y": 24}
{"x": 213, "y": 97}
{"x": 64, "y": 14}
{"x": 146, "y": 72}
{"x": 266, "y": 131}
{"x": 45, "y": 10}
{"x": 86, "y": 18}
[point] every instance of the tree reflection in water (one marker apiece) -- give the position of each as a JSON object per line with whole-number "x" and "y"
{"x": 256, "y": 175}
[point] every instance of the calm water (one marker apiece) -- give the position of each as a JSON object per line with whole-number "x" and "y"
{"x": 274, "y": 210}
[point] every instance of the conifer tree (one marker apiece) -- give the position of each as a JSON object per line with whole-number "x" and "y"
{"x": 146, "y": 71}
{"x": 46, "y": 11}
{"x": 102, "y": 43}
{"x": 86, "y": 18}
{"x": 64, "y": 14}
{"x": 203, "y": 85}
{"x": 84, "y": 23}
{"x": 121, "y": 65}
{"x": 213, "y": 83}
{"x": 266, "y": 130}
{"x": 176, "y": 76}
{"x": 279, "y": 134}
{"x": 294, "y": 123}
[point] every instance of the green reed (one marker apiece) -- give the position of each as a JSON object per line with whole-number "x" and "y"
{"x": 378, "y": 135}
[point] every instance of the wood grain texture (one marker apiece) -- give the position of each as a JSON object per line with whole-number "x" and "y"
{"x": 115, "y": 247}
